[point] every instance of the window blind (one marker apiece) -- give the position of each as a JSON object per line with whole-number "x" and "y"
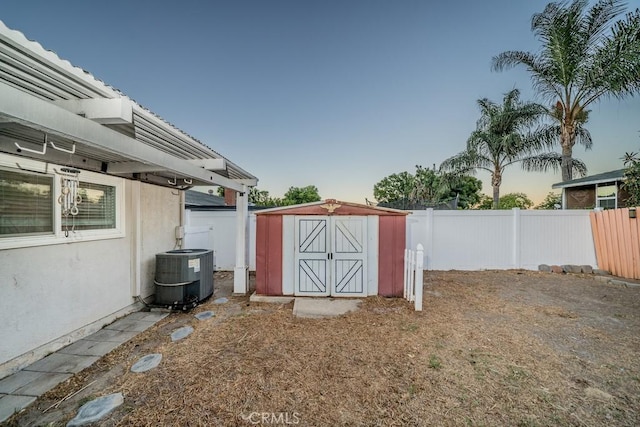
{"x": 97, "y": 210}
{"x": 26, "y": 203}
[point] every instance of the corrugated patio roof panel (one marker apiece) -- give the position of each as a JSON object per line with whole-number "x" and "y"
{"x": 29, "y": 67}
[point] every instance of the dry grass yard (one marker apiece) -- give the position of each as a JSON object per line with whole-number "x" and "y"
{"x": 513, "y": 348}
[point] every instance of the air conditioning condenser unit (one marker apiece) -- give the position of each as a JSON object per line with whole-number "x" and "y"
{"x": 183, "y": 276}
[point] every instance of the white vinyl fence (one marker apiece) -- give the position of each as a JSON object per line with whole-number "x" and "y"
{"x": 452, "y": 240}
{"x": 216, "y": 230}
{"x": 501, "y": 239}
{"x": 413, "y": 274}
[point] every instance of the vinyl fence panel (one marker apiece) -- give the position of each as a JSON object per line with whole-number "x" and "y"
{"x": 476, "y": 240}
{"x": 556, "y": 237}
{"x": 454, "y": 240}
{"x": 222, "y": 229}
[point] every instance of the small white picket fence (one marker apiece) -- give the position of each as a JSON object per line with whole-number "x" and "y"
{"x": 413, "y": 263}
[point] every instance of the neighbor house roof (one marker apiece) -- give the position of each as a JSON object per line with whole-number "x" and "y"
{"x": 46, "y": 102}
{"x": 616, "y": 175}
{"x": 195, "y": 198}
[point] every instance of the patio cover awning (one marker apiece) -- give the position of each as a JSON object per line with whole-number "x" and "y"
{"x": 55, "y": 112}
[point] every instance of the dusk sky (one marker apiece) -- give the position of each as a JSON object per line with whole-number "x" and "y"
{"x": 337, "y": 94}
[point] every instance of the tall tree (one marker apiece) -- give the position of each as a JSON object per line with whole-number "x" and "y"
{"x": 632, "y": 179}
{"x": 503, "y": 137}
{"x": 395, "y": 190}
{"x": 586, "y": 55}
{"x": 467, "y": 189}
{"x": 551, "y": 201}
{"x": 299, "y": 195}
{"x": 508, "y": 201}
{"x": 515, "y": 200}
{"x": 428, "y": 187}
{"x": 262, "y": 198}
{"x": 293, "y": 196}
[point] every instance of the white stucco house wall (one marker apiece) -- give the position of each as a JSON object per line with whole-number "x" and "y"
{"x": 70, "y": 265}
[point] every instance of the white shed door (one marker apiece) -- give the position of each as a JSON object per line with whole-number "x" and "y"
{"x": 330, "y": 255}
{"x": 311, "y": 256}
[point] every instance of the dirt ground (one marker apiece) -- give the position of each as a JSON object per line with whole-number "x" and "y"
{"x": 514, "y": 348}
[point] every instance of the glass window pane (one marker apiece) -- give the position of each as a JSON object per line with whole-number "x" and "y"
{"x": 607, "y": 203}
{"x": 97, "y": 209}
{"x": 26, "y": 203}
{"x": 607, "y": 191}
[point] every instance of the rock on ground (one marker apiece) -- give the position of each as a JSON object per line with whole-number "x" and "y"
{"x": 93, "y": 411}
{"x": 146, "y": 363}
{"x": 180, "y": 333}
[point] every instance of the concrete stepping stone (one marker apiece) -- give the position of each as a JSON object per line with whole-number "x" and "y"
{"x": 180, "y": 333}
{"x": 322, "y": 307}
{"x": 205, "y": 315}
{"x": 96, "y": 409}
{"x": 222, "y": 300}
{"x": 147, "y": 362}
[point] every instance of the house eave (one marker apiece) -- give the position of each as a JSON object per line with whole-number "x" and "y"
{"x": 35, "y": 113}
{"x": 28, "y": 70}
{"x": 570, "y": 184}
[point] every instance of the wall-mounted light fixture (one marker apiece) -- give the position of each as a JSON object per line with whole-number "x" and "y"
{"x": 632, "y": 212}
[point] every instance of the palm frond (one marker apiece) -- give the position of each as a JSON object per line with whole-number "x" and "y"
{"x": 551, "y": 161}
{"x": 513, "y": 58}
{"x": 583, "y": 137}
{"x": 548, "y": 135}
{"x": 615, "y": 69}
{"x": 542, "y": 75}
{"x": 542, "y": 162}
{"x": 598, "y": 19}
{"x": 579, "y": 167}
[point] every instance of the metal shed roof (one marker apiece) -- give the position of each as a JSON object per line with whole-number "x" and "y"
{"x": 332, "y": 206}
{"x": 46, "y": 102}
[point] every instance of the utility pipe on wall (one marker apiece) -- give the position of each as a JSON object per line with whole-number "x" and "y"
{"x": 136, "y": 239}
{"x": 180, "y": 234}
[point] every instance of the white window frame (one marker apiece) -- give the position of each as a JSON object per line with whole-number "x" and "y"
{"x": 614, "y": 197}
{"x": 18, "y": 164}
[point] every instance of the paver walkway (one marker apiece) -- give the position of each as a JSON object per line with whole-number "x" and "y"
{"x": 19, "y": 390}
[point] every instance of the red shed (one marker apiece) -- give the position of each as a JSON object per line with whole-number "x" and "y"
{"x": 330, "y": 248}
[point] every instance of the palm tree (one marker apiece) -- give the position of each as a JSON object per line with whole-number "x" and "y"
{"x": 585, "y": 56}
{"x": 502, "y": 138}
